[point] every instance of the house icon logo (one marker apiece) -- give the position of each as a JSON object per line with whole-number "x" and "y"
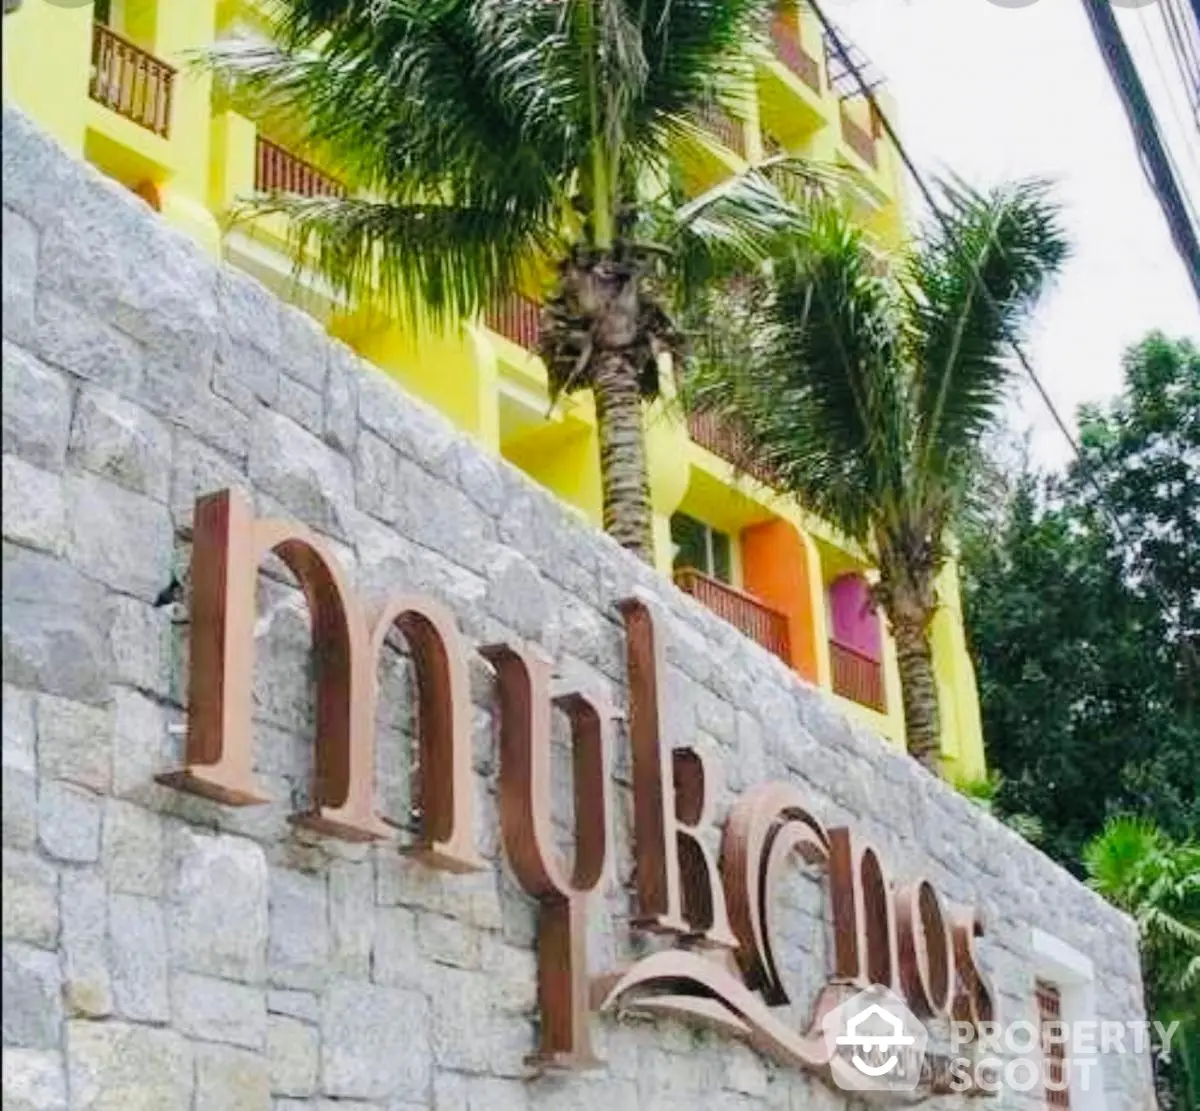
{"x": 859, "y": 1035}
{"x": 875, "y": 1043}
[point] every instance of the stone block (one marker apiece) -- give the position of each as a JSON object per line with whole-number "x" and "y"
{"x": 219, "y": 1010}
{"x": 138, "y": 937}
{"x": 140, "y": 644}
{"x": 20, "y": 239}
{"x": 32, "y": 998}
{"x": 351, "y": 917}
{"x": 69, "y": 822}
{"x": 119, "y": 441}
{"x": 18, "y": 814}
{"x": 341, "y": 398}
{"x": 217, "y": 918}
{"x": 141, "y": 746}
{"x": 293, "y": 1054}
{"x": 87, "y": 981}
{"x": 132, "y": 849}
{"x": 34, "y": 509}
{"x": 36, "y": 410}
{"x": 301, "y": 404}
{"x": 34, "y": 1079}
{"x": 53, "y": 627}
{"x": 374, "y": 1042}
{"x": 414, "y": 429}
{"x": 68, "y": 336}
{"x": 397, "y": 960}
{"x": 74, "y": 742}
{"x": 299, "y": 948}
{"x": 188, "y": 402}
{"x": 447, "y": 940}
{"x": 308, "y": 478}
{"x": 19, "y": 739}
{"x": 249, "y": 314}
{"x": 231, "y": 1080}
{"x": 30, "y": 903}
{"x": 119, "y": 538}
{"x": 303, "y": 347}
{"x": 116, "y": 1066}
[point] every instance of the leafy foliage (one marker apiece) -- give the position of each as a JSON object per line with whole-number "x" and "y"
{"x": 496, "y": 138}
{"x": 868, "y": 397}
{"x": 1134, "y": 865}
{"x": 1084, "y": 636}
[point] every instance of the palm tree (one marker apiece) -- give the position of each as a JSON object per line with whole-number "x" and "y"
{"x": 868, "y": 395}
{"x": 492, "y": 136}
{"x": 1157, "y": 881}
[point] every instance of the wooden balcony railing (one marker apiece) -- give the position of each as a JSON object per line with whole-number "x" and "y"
{"x": 859, "y": 140}
{"x": 716, "y": 433}
{"x": 278, "y": 170}
{"x": 131, "y": 81}
{"x": 731, "y": 132}
{"x": 794, "y": 56}
{"x": 856, "y": 676}
{"x": 517, "y": 318}
{"x": 743, "y": 611}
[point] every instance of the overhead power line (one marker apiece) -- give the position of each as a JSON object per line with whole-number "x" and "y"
{"x": 1156, "y": 161}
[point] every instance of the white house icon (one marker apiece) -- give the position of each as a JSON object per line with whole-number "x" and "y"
{"x": 869, "y": 1041}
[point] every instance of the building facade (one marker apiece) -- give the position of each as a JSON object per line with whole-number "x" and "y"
{"x": 112, "y": 82}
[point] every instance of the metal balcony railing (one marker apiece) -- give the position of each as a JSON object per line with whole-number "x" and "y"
{"x": 131, "y": 81}
{"x": 517, "y": 318}
{"x": 278, "y": 170}
{"x": 794, "y": 56}
{"x": 743, "y": 611}
{"x": 731, "y": 132}
{"x": 715, "y": 433}
{"x": 859, "y": 140}
{"x": 856, "y": 676}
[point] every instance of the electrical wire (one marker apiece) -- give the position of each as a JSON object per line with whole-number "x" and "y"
{"x": 1192, "y": 149}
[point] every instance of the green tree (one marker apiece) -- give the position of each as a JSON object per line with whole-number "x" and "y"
{"x": 1157, "y": 881}
{"x": 867, "y": 396}
{"x": 1083, "y": 635}
{"x": 492, "y": 136}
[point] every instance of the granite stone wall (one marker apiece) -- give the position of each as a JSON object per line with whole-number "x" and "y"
{"x": 165, "y": 953}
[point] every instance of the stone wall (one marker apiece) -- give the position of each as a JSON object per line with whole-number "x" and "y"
{"x": 165, "y": 953}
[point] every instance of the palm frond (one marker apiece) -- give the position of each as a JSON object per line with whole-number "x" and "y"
{"x": 451, "y": 260}
{"x": 970, "y": 285}
{"x": 816, "y": 393}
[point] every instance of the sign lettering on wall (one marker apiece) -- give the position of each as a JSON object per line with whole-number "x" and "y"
{"x": 721, "y": 965}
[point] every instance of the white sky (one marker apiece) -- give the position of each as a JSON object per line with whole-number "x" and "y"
{"x": 995, "y": 93}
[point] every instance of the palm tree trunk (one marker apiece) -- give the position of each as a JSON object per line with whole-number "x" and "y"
{"x": 624, "y": 478}
{"x": 918, "y": 686}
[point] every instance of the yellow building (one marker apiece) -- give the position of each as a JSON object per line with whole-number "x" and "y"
{"x": 114, "y": 84}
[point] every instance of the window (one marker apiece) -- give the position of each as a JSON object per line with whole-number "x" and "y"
{"x": 1050, "y": 1016}
{"x": 701, "y": 547}
{"x": 1064, "y": 989}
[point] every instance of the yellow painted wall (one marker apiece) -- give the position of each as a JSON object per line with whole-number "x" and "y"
{"x": 206, "y": 163}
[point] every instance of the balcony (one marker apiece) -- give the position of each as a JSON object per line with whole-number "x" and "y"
{"x": 277, "y": 170}
{"x": 716, "y": 434}
{"x": 131, "y": 81}
{"x": 517, "y": 318}
{"x": 794, "y": 56}
{"x": 743, "y": 611}
{"x": 730, "y": 132}
{"x": 856, "y": 676}
{"x": 859, "y": 140}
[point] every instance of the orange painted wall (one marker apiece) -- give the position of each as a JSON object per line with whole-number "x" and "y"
{"x": 775, "y": 569}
